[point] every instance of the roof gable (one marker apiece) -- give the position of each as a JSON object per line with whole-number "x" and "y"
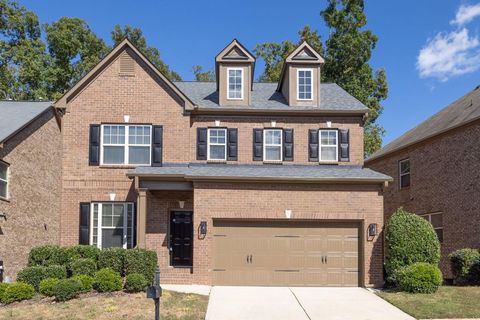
{"x": 304, "y": 52}
{"x": 107, "y": 60}
{"x": 234, "y": 51}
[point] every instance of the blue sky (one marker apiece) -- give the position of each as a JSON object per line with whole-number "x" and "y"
{"x": 430, "y": 49}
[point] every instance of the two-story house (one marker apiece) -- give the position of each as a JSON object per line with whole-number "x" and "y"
{"x": 231, "y": 182}
{"x": 436, "y": 170}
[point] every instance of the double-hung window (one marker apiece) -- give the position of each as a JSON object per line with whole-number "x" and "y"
{"x": 436, "y": 219}
{"x": 3, "y": 180}
{"x": 328, "y": 145}
{"x": 404, "y": 173}
{"x": 112, "y": 224}
{"x": 235, "y": 83}
{"x": 217, "y": 144}
{"x": 272, "y": 146}
{"x": 126, "y": 144}
{"x": 304, "y": 84}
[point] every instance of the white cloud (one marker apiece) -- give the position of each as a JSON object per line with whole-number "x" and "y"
{"x": 452, "y": 53}
{"x": 465, "y": 14}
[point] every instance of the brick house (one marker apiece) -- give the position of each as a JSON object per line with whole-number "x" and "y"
{"x": 30, "y": 181}
{"x": 232, "y": 181}
{"x": 436, "y": 172}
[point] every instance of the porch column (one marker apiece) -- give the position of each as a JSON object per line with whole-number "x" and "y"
{"x": 141, "y": 218}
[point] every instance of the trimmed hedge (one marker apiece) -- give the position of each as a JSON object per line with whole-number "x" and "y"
{"x": 86, "y": 252}
{"x": 85, "y": 266}
{"x": 47, "y": 285}
{"x": 50, "y": 255}
{"x": 135, "y": 282}
{"x": 33, "y": 275}
{"x": 18, "y": 291}
{"x": 113, "y": 258}
{"x": 409, "y": 239}
{"x": 462, "y": 261}
{"x": 85, "y": 281}
{"x": 107, "y": 280}
{"x": 419, "y": 277}
{"x": 66, "y": 289}
{"x": 141, "y": 261}
{"x": 3, "y": 287}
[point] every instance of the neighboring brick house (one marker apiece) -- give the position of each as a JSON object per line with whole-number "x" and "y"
{"x": 30, "y": 181}
{"x": 436, "y": 171}
{"x": 232, "y": 181}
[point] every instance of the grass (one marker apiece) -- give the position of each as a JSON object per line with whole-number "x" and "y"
{"x": 174, "y": 306}
{"x": 447, "y": 302}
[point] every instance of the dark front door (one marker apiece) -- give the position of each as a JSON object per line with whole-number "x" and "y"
{"x": 181, "y": 238}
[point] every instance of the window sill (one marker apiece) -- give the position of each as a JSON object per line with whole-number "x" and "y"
{"x": 272, "y": 162}
{"x": 180, "y": 267}
{"x": 328, "y": 162}
{"x": 122, "y": 166}
{"x": 4, "y": 199}
{"x": 217, "y": 161}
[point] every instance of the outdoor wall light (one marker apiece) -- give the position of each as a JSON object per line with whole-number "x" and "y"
{"x": 372, "y": 229}
{"x": 181, "y": 204}
{"x": 203, "y": 228}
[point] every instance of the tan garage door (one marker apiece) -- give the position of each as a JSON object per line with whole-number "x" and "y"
{"x": 286, "y": 253}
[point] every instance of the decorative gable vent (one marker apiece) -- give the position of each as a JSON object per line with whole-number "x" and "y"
{"x": 235, "y": 53}
{"x": 127, "y": 65}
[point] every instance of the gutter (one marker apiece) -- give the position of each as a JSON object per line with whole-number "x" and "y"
{"x": 295, "y": 111}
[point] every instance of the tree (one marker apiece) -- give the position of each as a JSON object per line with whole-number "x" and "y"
{"x": 347, "y": 52}
{"x": 74, "y": 50}
{"x": 201, "y": 75}
{"x": 135, "y": 35}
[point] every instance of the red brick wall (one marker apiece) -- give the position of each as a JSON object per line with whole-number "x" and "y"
{"x": 445, "y": 177}
{"x": 33, "y": 208}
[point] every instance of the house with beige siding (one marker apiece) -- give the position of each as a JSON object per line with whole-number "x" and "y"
{"x": 30, "y": 181}
{"x": 436, "y": 170}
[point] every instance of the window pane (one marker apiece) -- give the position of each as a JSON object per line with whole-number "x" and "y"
{"x": 405, "y": 181}
{"x": 273, "y": 153}
{"x": 3, "y": 189}
{"x": 139, "y": 135}
{"x": 112, "y": 237}
{"x": 139, "y": 155}
{"x": 328, "y": 153}
{"x": 405, "y": 166}
{"x": 3, "y": 171}
{"x": 439, "y": 233}
{"x": 113, "y": 155}
{"x": 217, "y": 152}
{"x": 437, "y": 220}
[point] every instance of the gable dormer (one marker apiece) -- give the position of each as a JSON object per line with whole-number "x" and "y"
{"x": 234, "y": 68}
{"x": 300, "y": 78}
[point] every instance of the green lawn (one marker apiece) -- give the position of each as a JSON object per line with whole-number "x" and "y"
{"x": 447, "y": 302}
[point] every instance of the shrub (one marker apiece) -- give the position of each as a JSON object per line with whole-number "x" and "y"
{"x": 419, "y": 277}
{"x": 46, "y": 286}
{"x": 87, "y": 252}
{"x": 112, "y": 258}
{"x": 461, "y": 261}
{"x": 18, "y": 291}
{"x": 135, "y": 282}
{"x": 33, "y": 275}
{"x": 83, "y": 266}
{"x": 474, "y": 272}
{"x": 67, "y": 289}
{"x": 107, "y": 280}
{"x": 141, "y": 261}
{"x": 3, "y": 287}
{"x": 50, "y": 255}
{"x": 85, "y": 281}
{"x": 409, "y": 239}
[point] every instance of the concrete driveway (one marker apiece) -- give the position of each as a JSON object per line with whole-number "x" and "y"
{"x": 264, "y": 303}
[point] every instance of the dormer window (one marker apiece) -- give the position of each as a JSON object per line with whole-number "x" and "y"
{"x": 304, "y": 84}
{"x": 235, "y": 84}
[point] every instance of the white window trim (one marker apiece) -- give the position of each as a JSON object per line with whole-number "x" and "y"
{"x": 273, "y": 145}
{"x": 228, "y": 83}
{"x": 400, "y": 175}
{"x": 126, "y": 146}
{"x": 298, "y": 84}
{"x": 6, "y": 181}
{"x": 320, "y": 145}
{"x": 100, "y": 227}
{"x": 216, "y": 144}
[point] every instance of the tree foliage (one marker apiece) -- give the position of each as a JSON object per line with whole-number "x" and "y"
{"x": 201, "y": 75}
{"x": 347, "y": 52}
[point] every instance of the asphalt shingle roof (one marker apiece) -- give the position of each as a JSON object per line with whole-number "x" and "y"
{"x": 14, "y": 115}
{"x": 265, "y": 96}
{"x": 263, "y": 171}
{"x": 458, "y": 113}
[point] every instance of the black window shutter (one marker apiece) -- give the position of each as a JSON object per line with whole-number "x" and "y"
{"x": 201, "y": 143}
{"x": 344, "y": 149}
{"x": 84, "y": 231}
{"x": 257, "y": 144}
{"x": 288, "y": 144}
{"x": 313, "y": 145}
{"x": 232, "y": 144}
{"x": 157, "y": 146}
{"x": 94, "y": 146}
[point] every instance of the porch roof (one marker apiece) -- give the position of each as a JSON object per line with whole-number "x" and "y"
{"x": 269, "y": 172}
